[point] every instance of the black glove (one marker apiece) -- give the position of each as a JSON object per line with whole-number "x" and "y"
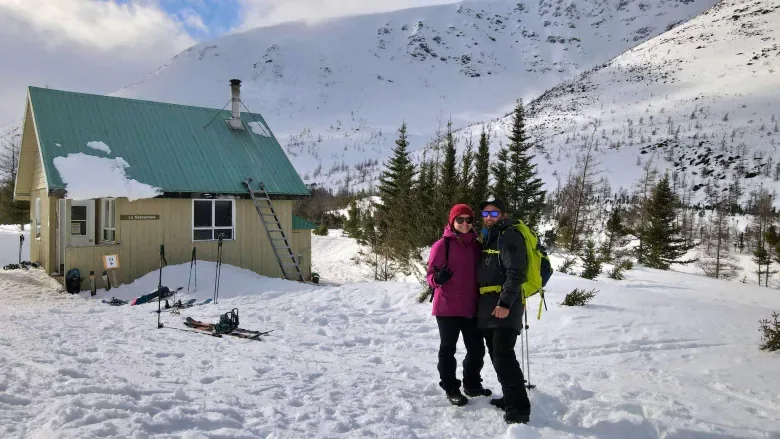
{"x": 442, "y": 276}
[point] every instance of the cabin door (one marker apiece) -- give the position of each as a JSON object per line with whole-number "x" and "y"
{"x": 81, "y": 223}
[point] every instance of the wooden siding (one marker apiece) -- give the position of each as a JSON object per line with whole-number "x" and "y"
{"x": 30, "y": 177}
{"x": 301, "y": 244}
{"x": 43, "y": 249}
{"x": 139, "y": 241}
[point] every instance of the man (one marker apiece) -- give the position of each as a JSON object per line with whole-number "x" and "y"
{"x": 502, "y": 271}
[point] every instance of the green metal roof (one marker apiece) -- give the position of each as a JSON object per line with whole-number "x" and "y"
{"x": 299, "y": 223}
{"x": 177, "y": 148}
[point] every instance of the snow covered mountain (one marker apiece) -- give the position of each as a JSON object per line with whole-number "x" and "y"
{"x": 336, "y": 92}
{"x": 703, "y": 100}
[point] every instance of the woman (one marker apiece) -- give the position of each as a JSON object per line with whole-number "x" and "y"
{"x": 452, "y": 273}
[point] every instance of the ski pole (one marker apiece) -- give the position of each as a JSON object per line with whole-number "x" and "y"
{"x": 191, "y": 263}
{"x": 527, "y": 349}
{"x": 159, "y": 287}
{"x": 218, "y": 267}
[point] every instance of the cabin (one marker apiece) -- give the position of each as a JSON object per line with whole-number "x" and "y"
{"x": 111, "y": 179}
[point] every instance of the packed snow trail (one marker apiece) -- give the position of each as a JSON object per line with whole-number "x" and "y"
{"x": 659, "y": 355}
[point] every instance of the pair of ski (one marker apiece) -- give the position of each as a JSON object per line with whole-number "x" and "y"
{"x": 210, "y": 329}
{"x": 179, "y": 305}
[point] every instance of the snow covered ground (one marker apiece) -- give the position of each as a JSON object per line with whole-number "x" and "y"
{"x": 9, "y": 244}
{"x": 659, "y": 355}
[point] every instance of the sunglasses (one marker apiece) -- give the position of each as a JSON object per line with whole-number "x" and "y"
{"x": 493, "y": 213}
{"x": 467, "y": 220}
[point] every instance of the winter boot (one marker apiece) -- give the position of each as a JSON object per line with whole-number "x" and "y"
{"x": 480, "y": 391}
{"x": 456, "y": 398}
{"x": 516, "y": 417}
{"x": 498, "y": 403}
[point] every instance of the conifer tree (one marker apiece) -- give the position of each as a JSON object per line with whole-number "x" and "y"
{"x": 427, "y": 229}
{"x": 501, "y": 175}
{"x": 352, "y": 224}
{"x": 591, "y": 264}
{"x": 395, "y": 188}
{"x": 525, "y": 197}
{"x": 616, "y": 234}
{"x": 644, "y": 187}
{"x": 482, "y": 169}
{"x": 466, "y": 177}
{"x": 664, "y": 244}
{"x": 448, "y": 189}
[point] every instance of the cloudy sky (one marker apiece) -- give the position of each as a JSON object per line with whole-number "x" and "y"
{"x": 100, "y": 46}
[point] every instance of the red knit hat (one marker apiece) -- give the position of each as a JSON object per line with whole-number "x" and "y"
{"x": 458, "y": 210}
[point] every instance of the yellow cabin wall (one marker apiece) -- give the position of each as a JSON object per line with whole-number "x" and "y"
{"x": 139, "y": 241}
{"x": 301, "y": 243}
{"x": 30, "y": 170}
{"x": 42, "y": 249}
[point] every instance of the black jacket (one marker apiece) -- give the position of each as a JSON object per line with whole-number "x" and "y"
{"x": 508, "y": 269}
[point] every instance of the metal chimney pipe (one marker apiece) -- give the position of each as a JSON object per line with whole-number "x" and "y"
{"x": 235, "y": 88}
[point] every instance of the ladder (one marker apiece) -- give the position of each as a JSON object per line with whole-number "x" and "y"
{"x": 273, "y": 228}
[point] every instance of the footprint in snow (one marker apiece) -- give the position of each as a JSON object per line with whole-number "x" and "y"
{"x": 209, "y": 380}
{"x": 72, "y": 373}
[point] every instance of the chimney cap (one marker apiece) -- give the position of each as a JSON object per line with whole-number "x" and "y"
{"x": 235, "y": 82}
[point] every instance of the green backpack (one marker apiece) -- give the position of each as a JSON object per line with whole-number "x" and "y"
{"x": 539, "y": 266}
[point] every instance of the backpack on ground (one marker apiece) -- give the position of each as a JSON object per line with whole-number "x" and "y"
{"x": 73, "y": 281}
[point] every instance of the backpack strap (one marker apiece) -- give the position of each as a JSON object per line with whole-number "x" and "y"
{"x": 446, "y": 252}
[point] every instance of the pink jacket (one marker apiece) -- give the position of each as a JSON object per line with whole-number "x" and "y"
{"x": 459, "y": 295}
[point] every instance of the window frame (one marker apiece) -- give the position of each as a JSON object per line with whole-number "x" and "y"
{"x": 111, "y": 202}
{"x": 37, "y": 218}
{"x": 213, "y": 227}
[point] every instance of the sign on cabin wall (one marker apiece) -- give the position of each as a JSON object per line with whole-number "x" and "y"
{"x": 110, "y": 261}
{"x": 138, "y": 217}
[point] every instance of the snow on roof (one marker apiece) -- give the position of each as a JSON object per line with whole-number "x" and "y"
{"x": 99, "y": 146}
{"x": 88, "y": 177}
{"x": 259, "y": 129}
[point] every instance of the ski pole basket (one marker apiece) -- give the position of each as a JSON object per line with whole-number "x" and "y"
{"x": 273, "y": 228}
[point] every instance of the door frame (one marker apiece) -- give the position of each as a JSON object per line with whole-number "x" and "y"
{"x": 89, "y": 239}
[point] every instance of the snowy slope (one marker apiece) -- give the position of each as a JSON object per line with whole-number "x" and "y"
{"x": 335, "y": 93}
{"x": 659, "y": 355}
{"x": 708, "y": 91}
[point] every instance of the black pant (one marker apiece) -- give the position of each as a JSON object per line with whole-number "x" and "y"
{"x": 449, "y": 331}
{"x": 501, "y": 347}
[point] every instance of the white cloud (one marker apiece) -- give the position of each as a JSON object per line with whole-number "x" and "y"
{"x": 93, "y": 46}
{"x": 193, "y": 20}
{"x": 268, "y": 12}
{"x": 104, "y": 25}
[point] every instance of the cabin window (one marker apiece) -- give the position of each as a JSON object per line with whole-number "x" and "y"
{"x": 37, "y": 217}
{"x": 109, "y": 220}
{"x": 212, "y": 217}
